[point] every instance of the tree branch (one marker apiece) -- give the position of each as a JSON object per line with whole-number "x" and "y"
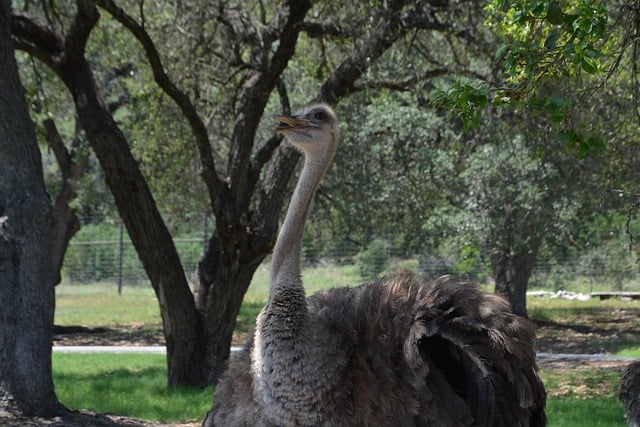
{"x": 259, "y": 85}
{"x": 33, "y": 35}
{"x": 342, "y": 81}
{"x": 316, "y": 30}
{"x": 265, "y": 152}
{"x": 57, "y": 146}
{"x": 85, "y": 20}
{"x": 402, "y": 84}
{"x": 215, "y": 184}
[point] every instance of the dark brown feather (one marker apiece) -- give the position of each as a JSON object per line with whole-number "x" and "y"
{"x": 630, "y": 393}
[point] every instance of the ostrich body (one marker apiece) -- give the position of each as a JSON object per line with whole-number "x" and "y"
{"x": 387, "y": 353}
{"x": 630, "y": 393}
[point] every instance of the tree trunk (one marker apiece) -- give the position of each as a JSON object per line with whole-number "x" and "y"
{"x": 137, "y": 208}
{"x": 149, "y": 235}
{"x": 65, "y": 221}
{"x": 26, "y": 268}
{"x": 511, "y": 272}
{"x": 145, "y": 226}
{"x": 220, "y": 289}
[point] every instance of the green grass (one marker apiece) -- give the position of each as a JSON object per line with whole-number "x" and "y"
{"x": 631, "y": 351}
{"x": 583, "y": 394}
{"x": 315, "y": 279}
{"x": 135, "y": 385}
{"x": 593, "y": 412}
{"x": 125, "y": 384}
{"x": 100, "y": 305}
{"x": 564, "y": 310}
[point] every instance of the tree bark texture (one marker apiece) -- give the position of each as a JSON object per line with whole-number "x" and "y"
{"x": 26, "y": 267}
{"x": 136, "y": 205}
{"x": 246, "y": 199}
{"x": 65, "y": 221}
{"x": 511, "y": 273}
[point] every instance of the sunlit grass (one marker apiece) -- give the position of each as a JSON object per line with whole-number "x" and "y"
{"x": 134, "y": 385}
{"x": 631, "y": 351}
{"x": 583, "y": 396}
{"x": 100, "y": 305}
{"x": 593, "y": 412}
{"x": 315, "y": 279}
{"x": 565, "y": 311}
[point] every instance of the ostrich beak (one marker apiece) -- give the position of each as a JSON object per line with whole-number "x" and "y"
{"x": 290, "y": 123}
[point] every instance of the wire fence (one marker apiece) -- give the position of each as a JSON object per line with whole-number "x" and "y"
{"x": 114, "y": 260}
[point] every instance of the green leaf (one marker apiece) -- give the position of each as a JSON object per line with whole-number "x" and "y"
{"x": 555, "y": 15}
{"x": 550, "y": 42}
{"x": 557, "y": 106}
{"x": 576, "y": 142}
{"x": 589, "y": 65}
{"x": 567, "y": 136}
{"x": 595, "y": 144}
{"x": 501, "y": 50}
{"x": 568, "y": 19}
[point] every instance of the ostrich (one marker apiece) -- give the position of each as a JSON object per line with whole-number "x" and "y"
{"x": 630, "y": 393}
{"x": 402, "y": 352}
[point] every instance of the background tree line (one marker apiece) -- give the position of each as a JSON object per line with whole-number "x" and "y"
{"x": 491, "y": 125}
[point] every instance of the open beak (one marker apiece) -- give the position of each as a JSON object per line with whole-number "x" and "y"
{"x": 290, "y": 123}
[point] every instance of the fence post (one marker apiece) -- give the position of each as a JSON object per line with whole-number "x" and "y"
{"x": 120, "y": 258}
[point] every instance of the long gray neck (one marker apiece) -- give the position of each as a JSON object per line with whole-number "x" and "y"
{"x": 289, "y": 352}
{"x": 285, "y": 263}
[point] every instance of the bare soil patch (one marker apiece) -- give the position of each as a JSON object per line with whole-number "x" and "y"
{"x": 135, "y": 334}
{"x": 594, "y": 331}
{"x": 84, "y": 419}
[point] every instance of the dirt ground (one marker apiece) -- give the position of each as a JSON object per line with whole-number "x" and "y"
{"x": 604, "y": 330}
{"x": 595, "y": 332}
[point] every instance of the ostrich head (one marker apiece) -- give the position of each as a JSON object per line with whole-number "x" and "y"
{"x": 313, "y": 129}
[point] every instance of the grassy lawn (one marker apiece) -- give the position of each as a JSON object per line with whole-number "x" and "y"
{"x": 135, "y": 385}
{"x": 100, "y": 305}
{"x": 593, "y": 412}
{"x": 581, "y": 394}
{"x": 125, "y": 384}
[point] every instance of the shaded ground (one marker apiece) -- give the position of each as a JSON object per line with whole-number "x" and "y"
{"x": 593, "y": 331}
{"x": 84, "y": 419}
{"x": 80, "y": 419}
{"x": 132, "y": 334}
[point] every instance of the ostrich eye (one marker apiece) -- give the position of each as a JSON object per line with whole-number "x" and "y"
{"x": 319, "y": 115}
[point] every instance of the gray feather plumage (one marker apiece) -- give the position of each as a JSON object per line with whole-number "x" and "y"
{"x": 417, "y": 353}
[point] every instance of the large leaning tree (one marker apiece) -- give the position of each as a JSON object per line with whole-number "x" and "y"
{"x": 26, "y": 267}
{"x": 253, "y": 44}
